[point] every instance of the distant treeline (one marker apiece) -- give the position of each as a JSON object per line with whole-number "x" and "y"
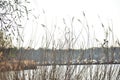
{"x": 61, "y": 55}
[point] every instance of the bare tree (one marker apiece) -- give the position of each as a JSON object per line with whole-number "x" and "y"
{"x": 11, "y": 14}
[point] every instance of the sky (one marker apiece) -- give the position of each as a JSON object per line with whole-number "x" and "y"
{"x": 52, "y": 12}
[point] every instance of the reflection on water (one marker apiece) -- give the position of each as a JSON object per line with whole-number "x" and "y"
{"x": 70, "y": 72}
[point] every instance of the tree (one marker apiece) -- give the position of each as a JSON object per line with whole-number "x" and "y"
{"x": 5, "y": 41}
{"x": 11, "y": 14}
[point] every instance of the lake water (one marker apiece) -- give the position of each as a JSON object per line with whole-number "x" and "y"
{"x": 71, "y": 72}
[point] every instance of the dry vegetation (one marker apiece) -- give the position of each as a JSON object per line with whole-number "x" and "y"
{"x": 60, "y": 72}
{"x": 14, "y": 69}
{"x": 13, "y": 65}
{"x": 70, "y": 72}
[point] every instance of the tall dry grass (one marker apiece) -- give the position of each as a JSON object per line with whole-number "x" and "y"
{"x": 71, "y": 72}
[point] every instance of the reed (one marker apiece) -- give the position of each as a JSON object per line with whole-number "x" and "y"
{"x": 69, "y": 72}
